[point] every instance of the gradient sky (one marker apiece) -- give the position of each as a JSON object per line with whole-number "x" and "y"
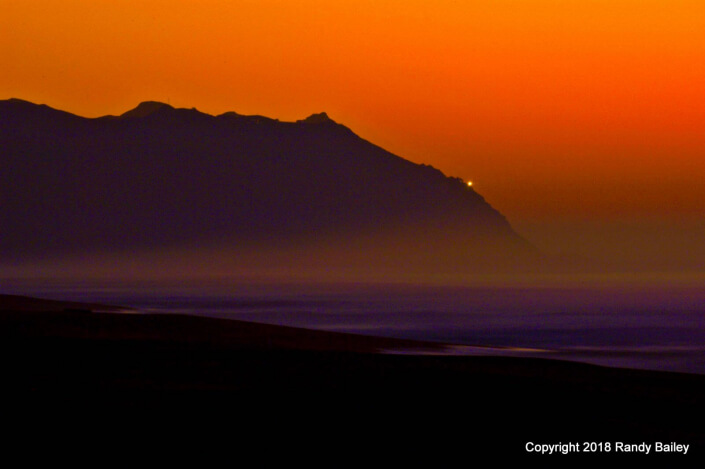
{"x": 558, "y": 110}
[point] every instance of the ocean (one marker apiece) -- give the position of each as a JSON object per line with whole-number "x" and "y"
{"x": 654, "y": 328}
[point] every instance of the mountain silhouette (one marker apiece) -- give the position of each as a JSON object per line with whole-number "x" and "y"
{"x": 158, "y": 177}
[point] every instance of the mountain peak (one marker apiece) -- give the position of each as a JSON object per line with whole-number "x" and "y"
{"x": 146, "y": 108}
{"x": 319, "y": 118}
{"x": 311, "y": 197}
{"x": 23, "y": 104}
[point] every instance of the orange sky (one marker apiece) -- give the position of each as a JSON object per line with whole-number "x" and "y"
{"x": 588, "y": 109}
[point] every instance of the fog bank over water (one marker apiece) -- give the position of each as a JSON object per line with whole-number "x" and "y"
{"x": 229, "y": 266}
{"x": 640, "y": 245}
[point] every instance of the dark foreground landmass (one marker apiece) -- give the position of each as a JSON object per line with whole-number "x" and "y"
{"x": 150, "y": 376}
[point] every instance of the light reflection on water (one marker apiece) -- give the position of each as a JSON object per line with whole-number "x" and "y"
{"x": 654, "y": 328}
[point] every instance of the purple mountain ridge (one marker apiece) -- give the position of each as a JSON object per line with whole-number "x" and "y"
{"x": 158, "y": 176}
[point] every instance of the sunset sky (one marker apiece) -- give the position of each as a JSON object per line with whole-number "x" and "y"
{"x": 557, "y": 110}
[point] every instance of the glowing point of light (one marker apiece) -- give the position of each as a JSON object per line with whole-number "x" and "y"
{"x": 469, "y": 183}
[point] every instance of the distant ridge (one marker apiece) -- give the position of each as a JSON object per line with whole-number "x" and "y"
{"x": 160, "y": 177}
{"x": 146, "y": 108}
{"x": 320, "y": 118}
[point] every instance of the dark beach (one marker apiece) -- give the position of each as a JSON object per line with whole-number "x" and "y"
{"x": 104, "y": 369}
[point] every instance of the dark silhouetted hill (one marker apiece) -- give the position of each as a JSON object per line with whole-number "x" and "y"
{"x": 159, "y": 177}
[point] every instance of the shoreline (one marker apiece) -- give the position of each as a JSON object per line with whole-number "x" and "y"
{"x": 61, "y": 360}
